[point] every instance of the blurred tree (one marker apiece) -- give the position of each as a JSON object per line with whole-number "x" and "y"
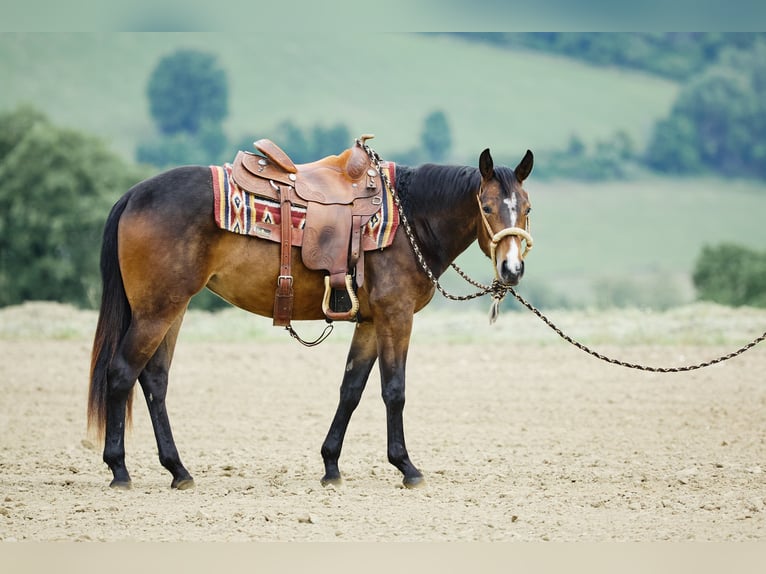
{"x": 188, "y": 99}
{"x": 576, "y": 147}
{"x": 330, "y": 140}
{"x": 56, "y": 189}
{"x": 187, "y": 89}
{"x": 436, "y": 138}
{"x": 718, "y": 122}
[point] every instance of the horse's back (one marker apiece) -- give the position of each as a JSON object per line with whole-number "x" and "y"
{"x": 180, "y": 192}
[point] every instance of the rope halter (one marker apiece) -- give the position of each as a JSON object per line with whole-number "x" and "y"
{"x": 495, "y": 238}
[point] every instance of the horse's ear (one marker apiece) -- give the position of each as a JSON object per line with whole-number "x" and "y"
{"x": 524, "y": 168}
{"x": 486, "y": 165}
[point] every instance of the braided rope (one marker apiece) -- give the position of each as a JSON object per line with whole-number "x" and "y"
{"x": 499, "y": 291}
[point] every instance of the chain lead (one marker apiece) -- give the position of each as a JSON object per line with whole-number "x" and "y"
{"x": 499, "y": 291}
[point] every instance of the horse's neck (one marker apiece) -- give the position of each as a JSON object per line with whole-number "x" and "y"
{"x": 442, "y": 211}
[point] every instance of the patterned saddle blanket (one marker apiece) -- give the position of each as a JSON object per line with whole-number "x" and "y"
{"x": 240, "y": 211}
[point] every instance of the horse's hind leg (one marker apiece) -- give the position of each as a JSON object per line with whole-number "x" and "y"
{"x": 361, "y": 358}
{"x": 154, "y": 383}
{"x": 138, "y": 346}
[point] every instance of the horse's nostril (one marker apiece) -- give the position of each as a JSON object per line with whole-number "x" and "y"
{"x": 511, "y": 275}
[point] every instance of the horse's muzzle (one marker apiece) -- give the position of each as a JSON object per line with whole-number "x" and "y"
{"x": 509, "y": 275}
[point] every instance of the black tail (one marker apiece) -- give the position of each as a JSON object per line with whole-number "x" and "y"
{"x": 113, "y": 321}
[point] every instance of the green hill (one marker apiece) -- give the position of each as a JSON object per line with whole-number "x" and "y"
{"x": 380, "y": 83}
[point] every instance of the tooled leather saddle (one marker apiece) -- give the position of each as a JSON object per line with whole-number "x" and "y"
{"x": 340, "y": 194}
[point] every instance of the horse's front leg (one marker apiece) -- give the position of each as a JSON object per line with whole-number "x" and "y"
{"x": 361, "y": 357}
{"x": 393, "y": 335}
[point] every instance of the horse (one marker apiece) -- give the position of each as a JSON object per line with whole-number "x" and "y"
{"x": 161, "y": 246}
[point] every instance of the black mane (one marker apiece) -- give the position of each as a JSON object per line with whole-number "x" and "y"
{"x": 422, "y": 188}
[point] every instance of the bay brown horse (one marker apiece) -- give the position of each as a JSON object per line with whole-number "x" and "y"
{"x": 161, "y": 245}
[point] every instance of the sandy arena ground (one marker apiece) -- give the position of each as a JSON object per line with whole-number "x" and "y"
{"x": 517, "y": 442}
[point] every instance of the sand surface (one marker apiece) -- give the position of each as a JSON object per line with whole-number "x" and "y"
{"x": 517, "y": 442}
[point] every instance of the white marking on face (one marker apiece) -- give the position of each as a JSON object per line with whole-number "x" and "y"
{"x": 511, "y": 203}
{"x": 513, "y": 257}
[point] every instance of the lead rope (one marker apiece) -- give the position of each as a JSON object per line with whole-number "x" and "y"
{"x": 499, "y": 291}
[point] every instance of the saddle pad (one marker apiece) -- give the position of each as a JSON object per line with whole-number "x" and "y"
{"x": 239, "y": 211}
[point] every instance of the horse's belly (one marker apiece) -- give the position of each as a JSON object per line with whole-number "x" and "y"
{"x": 245, "y": 275}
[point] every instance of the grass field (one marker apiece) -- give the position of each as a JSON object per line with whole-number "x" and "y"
{"x": 380, "y": 83}
{"x": 649, "y": 230}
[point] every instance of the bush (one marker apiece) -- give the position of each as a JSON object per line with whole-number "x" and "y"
{"x": 56, "y": 188}
{"x": 731, "y": 275}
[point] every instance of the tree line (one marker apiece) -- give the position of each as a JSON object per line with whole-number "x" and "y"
{"x": 673, "y": 55}
{"x": 188, "y": 101}
{"x": 716, "y": 125}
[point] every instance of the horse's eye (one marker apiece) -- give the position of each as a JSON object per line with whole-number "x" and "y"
{"x": 528, "y": 210}
{"x": 487, "y": 209}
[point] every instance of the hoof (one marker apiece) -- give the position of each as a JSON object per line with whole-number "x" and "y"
{"x": 121, "y": 485}
{"x": 413, "y": 481}
{"x": 331, "y": 481}
{"x": 183, "y": 484}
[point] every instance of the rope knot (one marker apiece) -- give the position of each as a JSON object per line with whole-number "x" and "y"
{"x": 498, "y": 291}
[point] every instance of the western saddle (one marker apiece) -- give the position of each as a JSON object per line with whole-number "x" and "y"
{"x": 340, "y": 194}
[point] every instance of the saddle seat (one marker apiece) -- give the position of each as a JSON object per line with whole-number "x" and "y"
{"x": 340, "y": 193}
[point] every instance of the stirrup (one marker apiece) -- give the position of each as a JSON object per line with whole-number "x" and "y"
{"x": 343, "y": 315}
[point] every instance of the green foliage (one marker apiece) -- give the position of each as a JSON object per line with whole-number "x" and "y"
{"x": 436, "y": 138}
{"x": 206, "y": 147}
{"x": 718, "y": 122}
{"x": 56, "y": 188}
{"x": 612, "y": 158}
{"x": 187, "y": 89}
{"x": 731, "y": 275}
{"x": 539, "y": 114}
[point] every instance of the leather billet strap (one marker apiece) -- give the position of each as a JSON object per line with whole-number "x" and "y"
{"x": 356, "y": 254}
{"x": 283, "y": 298}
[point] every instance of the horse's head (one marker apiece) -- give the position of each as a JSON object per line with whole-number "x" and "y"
{"x": 504, "y": 207}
